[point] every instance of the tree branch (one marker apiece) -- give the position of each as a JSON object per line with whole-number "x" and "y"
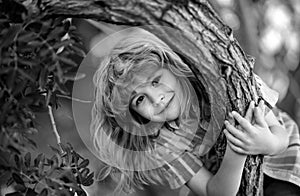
{"x": 54, "y": 128}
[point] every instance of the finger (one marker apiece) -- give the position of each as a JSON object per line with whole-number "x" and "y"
{"x": 236, "y": 148}
{"x": 234, "y": 131}
{"x": 249, "y": 113}
{"x": 233, "y": 139}
{"x": 259, "y": 117}
{"x": 245, "y": 124}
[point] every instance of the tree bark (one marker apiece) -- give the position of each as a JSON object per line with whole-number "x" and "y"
{"x": 204, "y": 42}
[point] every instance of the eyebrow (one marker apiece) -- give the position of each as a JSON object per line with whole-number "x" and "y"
{"x": 133, "y": 94}
{"x": 132, "y": 97}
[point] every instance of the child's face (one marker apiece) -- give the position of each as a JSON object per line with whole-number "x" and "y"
{"x": 158, "y": 97}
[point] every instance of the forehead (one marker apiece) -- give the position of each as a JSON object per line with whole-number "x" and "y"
{"x": 142, "y": 76}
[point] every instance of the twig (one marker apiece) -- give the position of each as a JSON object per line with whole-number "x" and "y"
{"x": 57, "y": 136}
{"x": 73, "y": 99}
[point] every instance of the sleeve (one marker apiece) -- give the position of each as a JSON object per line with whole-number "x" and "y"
{"x": 269, "y": 95}
{"x": 285, "y": 166}
{"x": 182, "y": 169}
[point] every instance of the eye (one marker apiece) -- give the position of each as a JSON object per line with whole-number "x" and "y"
{"x": 139, "y": 100}
{"x": 155, "y": 81}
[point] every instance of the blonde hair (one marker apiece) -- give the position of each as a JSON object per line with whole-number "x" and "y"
{"x": 119, "y": 139}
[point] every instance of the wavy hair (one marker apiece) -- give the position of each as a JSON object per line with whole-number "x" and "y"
{"x": 122, "y": 138}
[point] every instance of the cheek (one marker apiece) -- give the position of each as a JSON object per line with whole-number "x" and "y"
{"x": 174, "y": 111}
{"x": 146, "y": 112}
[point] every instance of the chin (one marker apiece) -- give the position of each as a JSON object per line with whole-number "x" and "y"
{"x": 172, "y": 115}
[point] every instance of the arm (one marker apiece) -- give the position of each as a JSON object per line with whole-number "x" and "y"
{"x": 264, "y": 136}
{"x": 205, "y": 184}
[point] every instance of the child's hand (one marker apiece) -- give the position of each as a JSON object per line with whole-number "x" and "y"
{"x": 250, "y": 138}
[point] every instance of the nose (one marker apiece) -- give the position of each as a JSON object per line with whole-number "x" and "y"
{"x": 158, "y": 99}
{"x": 157, "y": 96}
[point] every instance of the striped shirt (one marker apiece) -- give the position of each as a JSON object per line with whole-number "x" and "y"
{"x": 285, "y": 166}
{"x": 182, "y": 151}
{"x": 182, "y": 161}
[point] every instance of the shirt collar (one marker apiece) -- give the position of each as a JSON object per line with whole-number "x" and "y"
{"x": 173, "y": 125}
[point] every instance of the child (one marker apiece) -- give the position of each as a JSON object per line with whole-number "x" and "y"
{"x": 146, "y": 122}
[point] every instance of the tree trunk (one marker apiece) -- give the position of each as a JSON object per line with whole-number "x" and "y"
{"x": 204, "y": 42}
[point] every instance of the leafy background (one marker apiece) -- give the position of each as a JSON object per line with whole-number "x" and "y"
{"x": 39, "y": 59}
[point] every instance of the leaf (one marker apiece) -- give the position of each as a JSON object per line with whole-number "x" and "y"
{"x": 20, "y": 87}
{"x": 79, "y": 177}
{"x": 28, "y": 62}
{"x": 85, "y": 172}
{"x": 80, "y": 52}
{"x": 17, "y": 161}
{"x": 35, "y": 43}
{"x": 62, "y": 43}
{"x": 30, "y": 192}
{"x": 73, "y": 76}
{"x": 54, "y": 149}
{"x": 27, "y": 159}
{"x": 5, "y": 70}
{"x": 37, "y": 160}
{"x": 51, "y": 183}
{"x": 31, "y": 131}
{"x": 13, "y": 149}
{"x": 83, "y": 164}
{"x": 75, "y": 158}
{"x": 41, "y": 165}
{"x": 67, "y": 61}
{"x": 17, "y": 178}
{"x": 34, "y": 26}
{"x": 43, "y": 52}
{"x": 14, "y": 194}
{"x": 71, "y": 177}
{"x": 81, "y": 193}
{"x": 9, "y": 182}
{"x": 44, "y": 192}
{"x": 63, "y": 192}
{"x": 27, "y": 36}
{"x": 89, "y": 180}
{"x": 58, "y": 32}
{"x": 20, "y": 188}
{"x": 10, "y": 35}
{"x": 59, "y": 160}
{"x": 11, "y": 79}
{"x": 31, "y": 142}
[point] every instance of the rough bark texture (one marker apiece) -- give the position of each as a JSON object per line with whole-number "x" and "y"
{"x": 205, "y": 43}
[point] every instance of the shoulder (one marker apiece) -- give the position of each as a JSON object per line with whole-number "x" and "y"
{"x": 180, "y": 164}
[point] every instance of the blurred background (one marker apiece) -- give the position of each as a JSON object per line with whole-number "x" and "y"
{"x": 266, "y": 29}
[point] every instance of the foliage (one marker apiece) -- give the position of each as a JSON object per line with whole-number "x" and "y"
{"x": 62, "y": 174}
{"x": 35, "y": 65}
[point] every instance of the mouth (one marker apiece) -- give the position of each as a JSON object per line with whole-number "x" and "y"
{"x": 167, "y": 105}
